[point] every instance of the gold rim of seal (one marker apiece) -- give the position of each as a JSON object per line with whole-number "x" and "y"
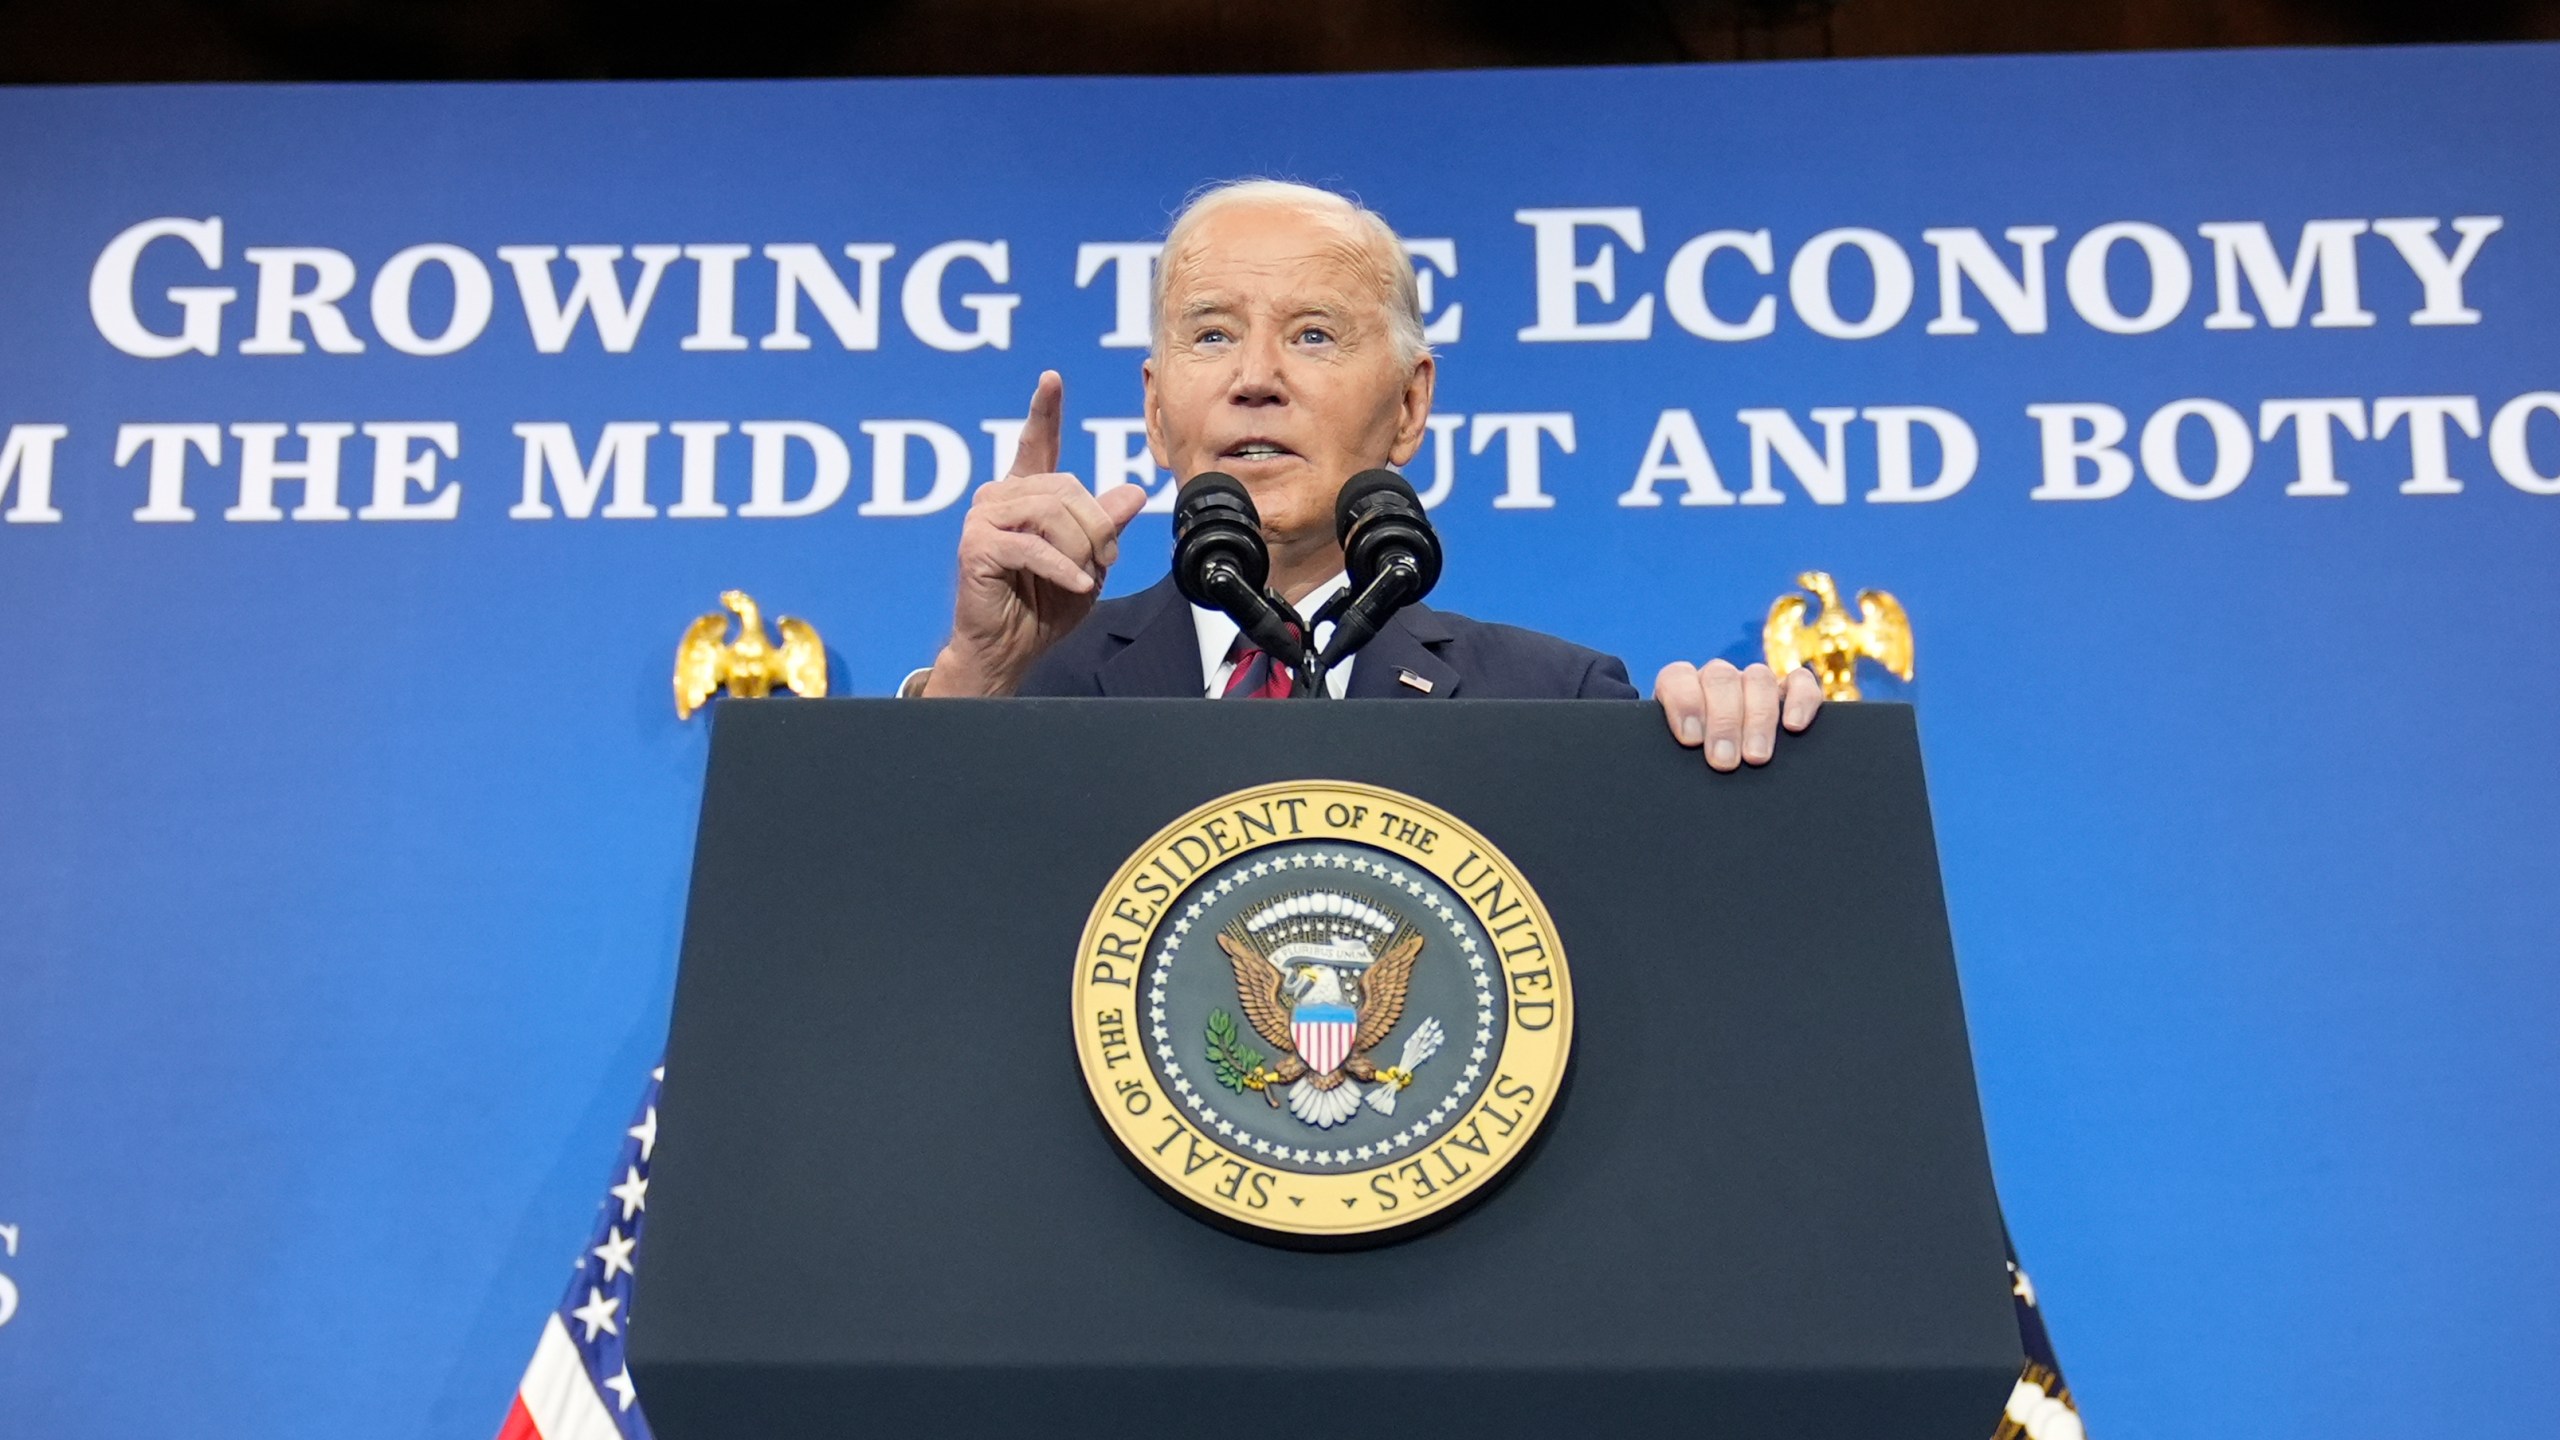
{"x": 1520, "y": 1082}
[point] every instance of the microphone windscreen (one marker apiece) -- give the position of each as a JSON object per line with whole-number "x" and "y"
{"x": 1215, "y": 524}
{"x": 1378, "y": 520}
{"x": 1369, "y": 490}
{"x": 1211, "y": 491}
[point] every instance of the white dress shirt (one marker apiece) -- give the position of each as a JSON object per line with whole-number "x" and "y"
{"x": 1217, "y": 636}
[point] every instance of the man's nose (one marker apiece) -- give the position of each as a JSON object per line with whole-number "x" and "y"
{"x": 1258, "y": 380}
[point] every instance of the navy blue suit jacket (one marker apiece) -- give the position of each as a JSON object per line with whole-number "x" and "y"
{"x": 1145, "y": 646}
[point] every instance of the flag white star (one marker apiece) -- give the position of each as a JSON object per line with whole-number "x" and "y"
{"x": 1365, "y": 1151}
{"x": 633, "y": 1192}
{"x": 1181, "y": 927}
{"x": 646, "y": 1132}
{"x": 1472, "y": 1071}
{"x": 1362, "y": 866}
{"x": 1226, "y": 883}
{"x": 1297, "y": 862}
{"x": 623, "y": 1391}
{"x": 597, "y": 1313}
{"x": 1261, "y": 868}
{"x": 1476, "y": 1054}
{"x": 1261, "y": 1147}
{"x": 1161, "y": 1032}
{"x": 1304, "y": 1157}
{"x": 615, "y": 1252}
{"x": 1226, "y": 1127}
{"x": 1467, "y": 943}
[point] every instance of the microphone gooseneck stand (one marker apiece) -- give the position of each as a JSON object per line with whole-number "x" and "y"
{"x": 1391, "y": 558}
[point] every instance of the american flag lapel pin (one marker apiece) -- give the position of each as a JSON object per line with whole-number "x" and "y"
{"x": 1416, "y": 681}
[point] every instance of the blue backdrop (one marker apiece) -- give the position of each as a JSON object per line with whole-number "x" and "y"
{"x": 342, "y": 860}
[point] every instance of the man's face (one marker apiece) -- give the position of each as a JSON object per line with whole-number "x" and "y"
{"x": 1277, "y": 366}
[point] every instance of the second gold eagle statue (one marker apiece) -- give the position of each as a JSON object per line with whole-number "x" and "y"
{"x": 1830, "y": 642}
{"x": 750, "y": 665}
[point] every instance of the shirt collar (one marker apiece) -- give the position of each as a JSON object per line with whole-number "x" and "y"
{"x": 1218, "y": 633}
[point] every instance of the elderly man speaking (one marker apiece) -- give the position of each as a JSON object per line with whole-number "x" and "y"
{"x": 1289, "y": 354}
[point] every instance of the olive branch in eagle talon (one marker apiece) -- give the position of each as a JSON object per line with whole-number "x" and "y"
{"x": 1371, "y": 984}
{"x": 1238, "y": 1065}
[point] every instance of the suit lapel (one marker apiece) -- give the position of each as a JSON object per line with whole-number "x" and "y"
{"x": 1161, "y": 659}
{"x": 1406, "y": 645}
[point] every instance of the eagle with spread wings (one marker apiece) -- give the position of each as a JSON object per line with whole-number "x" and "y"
{"x": 1830, "y": 642}
{"x": 750, "y": 665}
{"x": 1324, "y": 1007}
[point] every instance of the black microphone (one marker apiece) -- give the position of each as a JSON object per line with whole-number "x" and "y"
{"x": 1220, "y": 562}
{"x": 1390, "y": 554}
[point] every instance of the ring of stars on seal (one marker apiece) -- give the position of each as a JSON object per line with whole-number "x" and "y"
{"x": 1321, "y": 1010}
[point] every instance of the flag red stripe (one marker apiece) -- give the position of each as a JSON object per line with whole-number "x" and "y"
{"x": 519, "y": 1424}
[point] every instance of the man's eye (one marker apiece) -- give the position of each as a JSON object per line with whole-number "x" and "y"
{"x": 1315, "y": 335}
{"x": 1209, "y": 336}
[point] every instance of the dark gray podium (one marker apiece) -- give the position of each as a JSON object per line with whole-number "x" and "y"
{"x": 883, "y": 1204}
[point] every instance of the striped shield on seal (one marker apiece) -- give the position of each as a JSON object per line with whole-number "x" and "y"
{"x": 1323, "y": 1035}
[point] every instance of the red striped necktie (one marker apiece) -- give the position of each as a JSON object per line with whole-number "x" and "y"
{"x": 1255, "y": 676}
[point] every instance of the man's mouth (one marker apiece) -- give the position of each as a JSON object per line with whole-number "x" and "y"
{"x": 1257, "y": 450}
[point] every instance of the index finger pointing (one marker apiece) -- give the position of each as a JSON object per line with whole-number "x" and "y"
{"x": 1036, "y": 453}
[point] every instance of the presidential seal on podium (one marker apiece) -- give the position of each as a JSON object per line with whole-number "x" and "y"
{"x": 1322, "y": 1012}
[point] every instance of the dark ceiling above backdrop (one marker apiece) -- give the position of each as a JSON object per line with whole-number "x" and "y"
{"x": 147, "y": 40}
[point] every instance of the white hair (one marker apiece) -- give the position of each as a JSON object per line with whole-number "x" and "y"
{"x": 1395, "y": 272}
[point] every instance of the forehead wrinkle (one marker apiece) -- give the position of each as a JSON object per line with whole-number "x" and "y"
{"x": 1359, "y": 255}
{"x": 1318, "y": 301}
{"x": 1343, "y": 249}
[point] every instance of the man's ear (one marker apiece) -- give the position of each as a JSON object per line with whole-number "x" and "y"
{"x": 1153, "y": 408}
{"x": 1413, "y": 412}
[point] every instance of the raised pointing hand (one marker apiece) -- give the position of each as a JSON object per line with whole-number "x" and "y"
{"x": 1033, "y": 553}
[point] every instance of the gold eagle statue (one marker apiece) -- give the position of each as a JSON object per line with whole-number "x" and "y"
{"x": 750, "y": 665}
{"x": 1831, "y": 643}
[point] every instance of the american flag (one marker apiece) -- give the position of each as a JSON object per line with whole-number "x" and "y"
{"x": 2040, "y": 1404}
{"x": 578, "y": 1387}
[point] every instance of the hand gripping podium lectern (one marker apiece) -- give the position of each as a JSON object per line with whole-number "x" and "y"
{"x": 900, "y": 1190}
